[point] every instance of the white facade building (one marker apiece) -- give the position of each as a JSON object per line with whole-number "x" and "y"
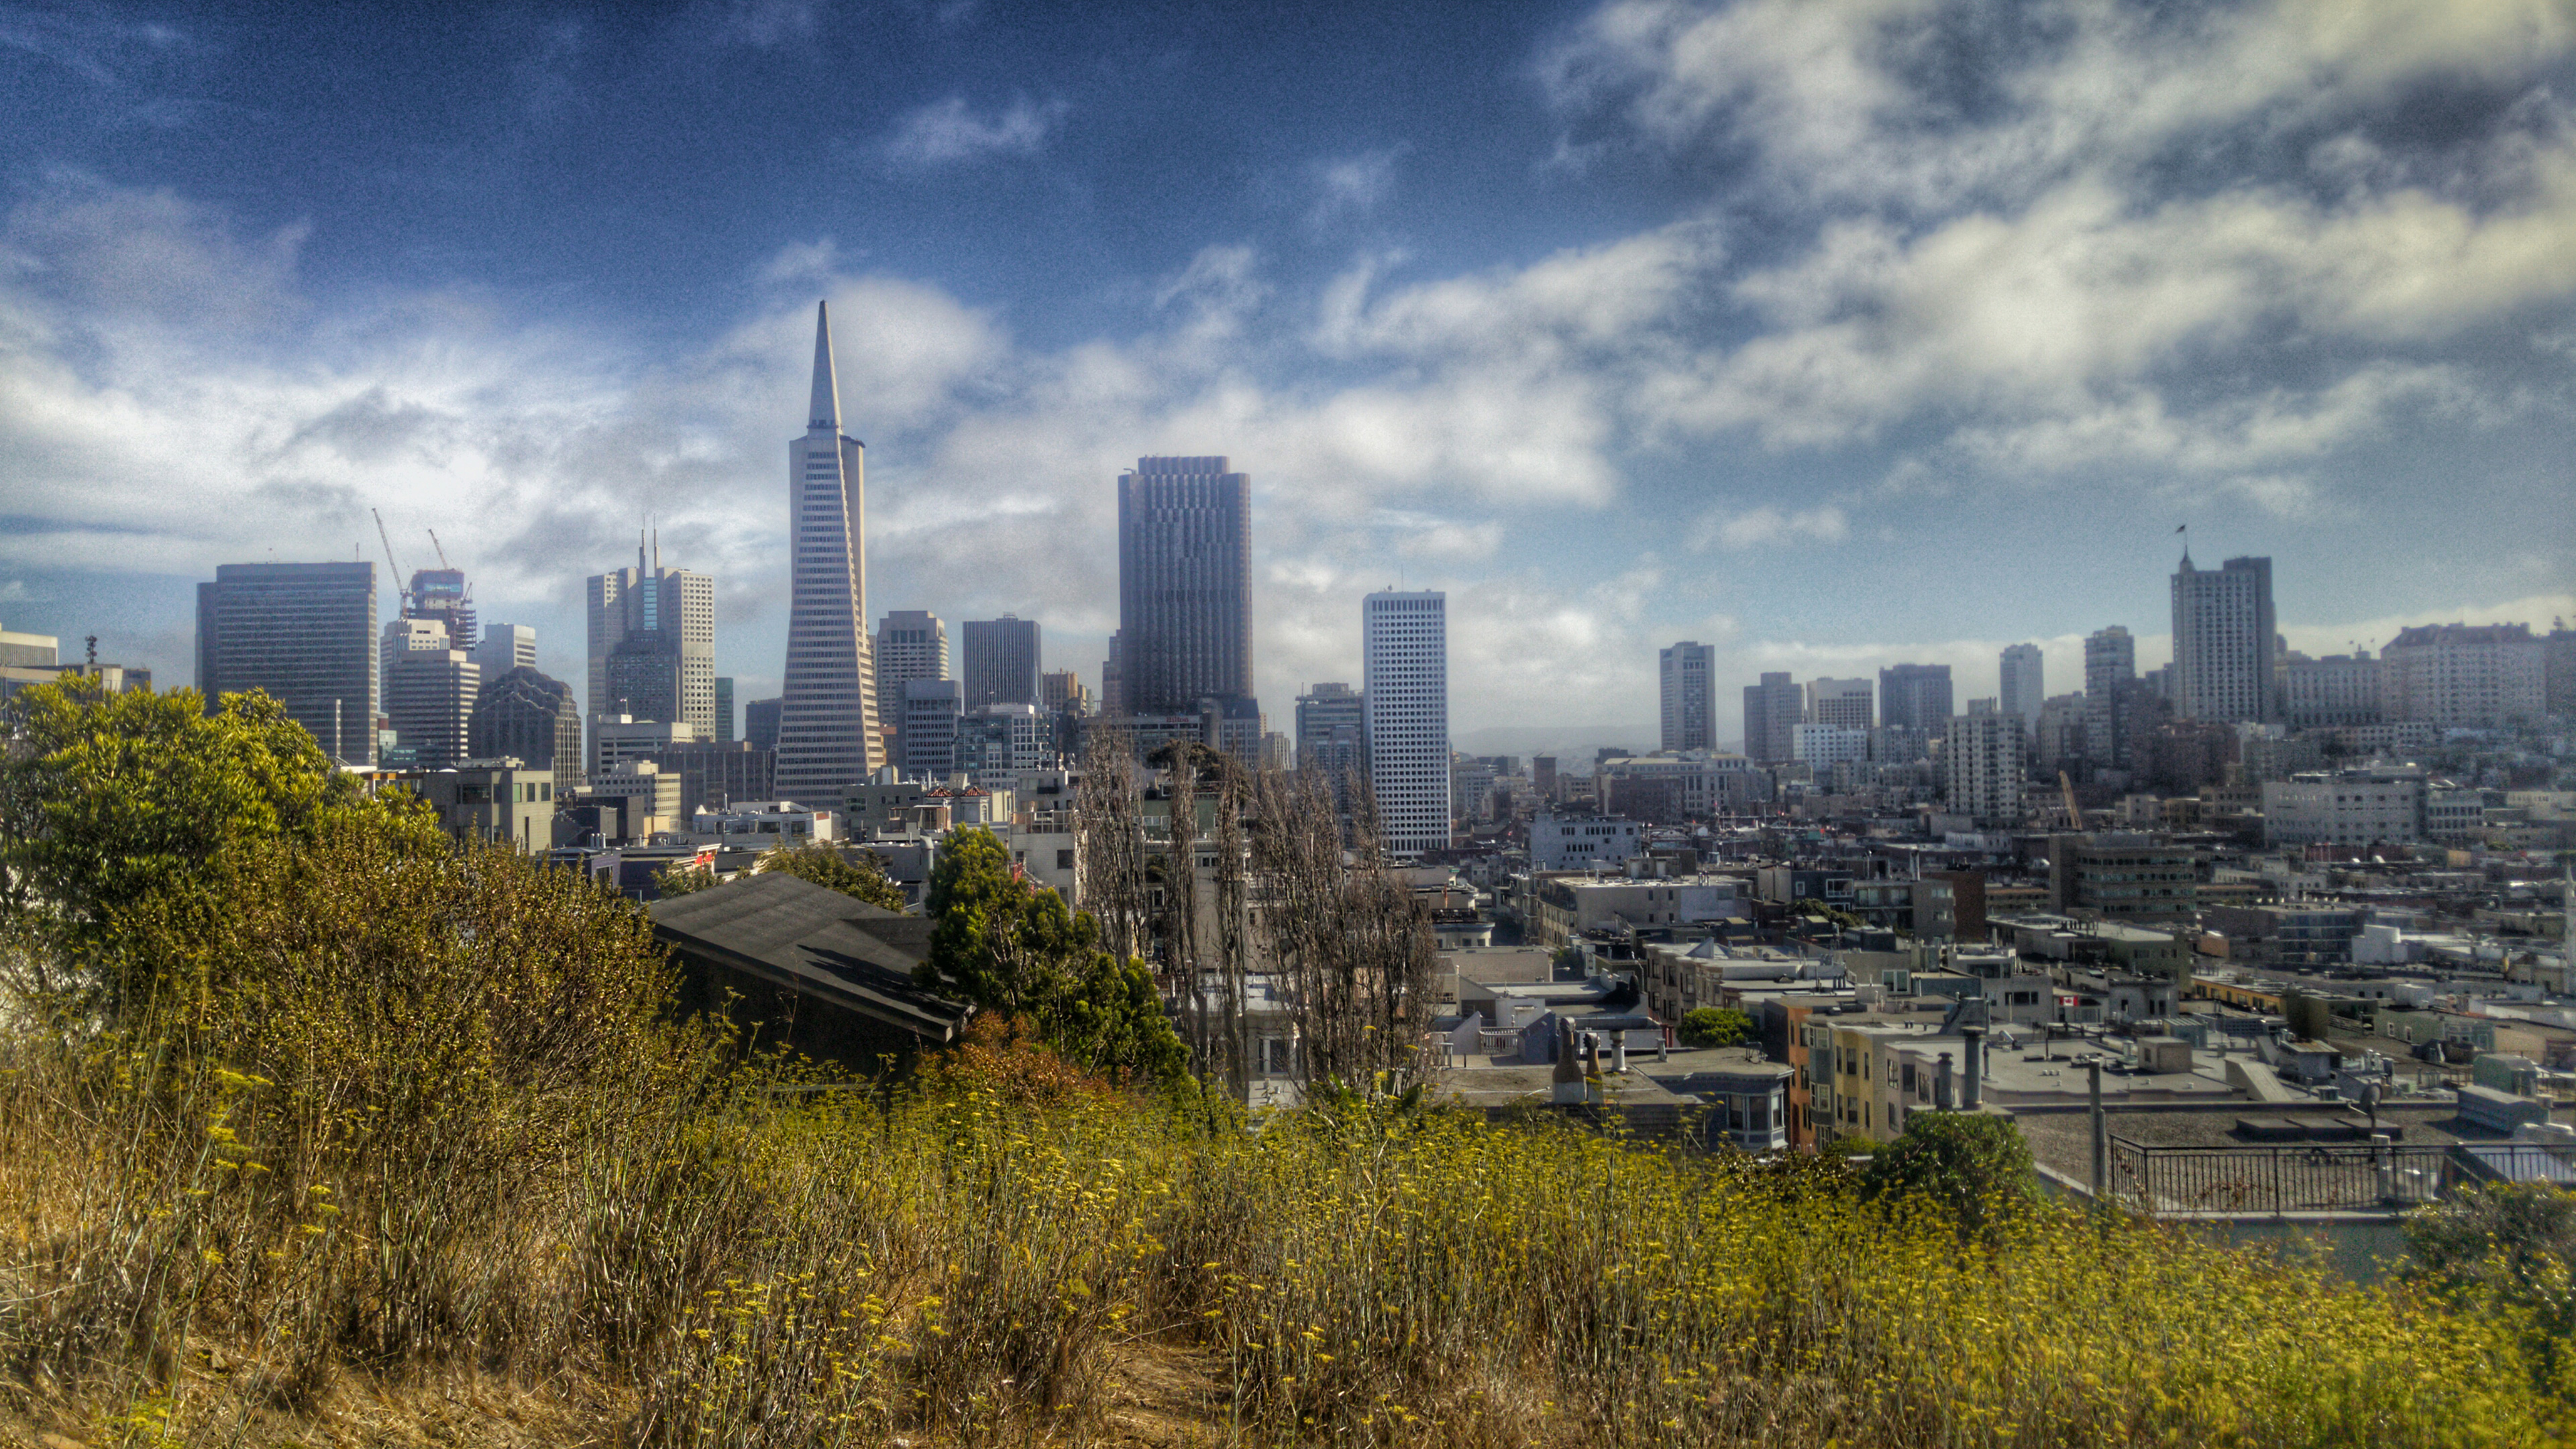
{"x": 1575, "y": 842}
{"x": 1404, "y": 648}
{"x": 505, "y": 647}
{"x": 2361, "y": 807}
{"x": 1985, "y": 764}
{"x": 1843, "y": 702}
{"x": 2463, "y": 676}
{"x": 1824, "y": 746}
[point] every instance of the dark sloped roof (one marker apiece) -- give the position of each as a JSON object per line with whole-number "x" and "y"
{"x": 814, "y": 941}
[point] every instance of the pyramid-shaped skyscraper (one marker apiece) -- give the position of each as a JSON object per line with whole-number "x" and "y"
{"x": 827, "y": 724}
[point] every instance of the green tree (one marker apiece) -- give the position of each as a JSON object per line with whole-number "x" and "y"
{"x": 1715, "y": 1026}
{"x": 683, "y": 878}
{"x": 2512, "y": 1242}
{"x": 1976, "y": 1166}
{"x": 863, "y": 879}
{"x": 117, "y": 804}
{"x": 1012, "y": 947}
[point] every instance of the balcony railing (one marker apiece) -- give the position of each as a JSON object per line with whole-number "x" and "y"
{"x": 2314, "y": 1177}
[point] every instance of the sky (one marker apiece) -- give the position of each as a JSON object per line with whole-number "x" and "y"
{"x": 1833, "y": 333}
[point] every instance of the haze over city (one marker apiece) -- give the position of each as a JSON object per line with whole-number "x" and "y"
{"x": 1834, "y": 336}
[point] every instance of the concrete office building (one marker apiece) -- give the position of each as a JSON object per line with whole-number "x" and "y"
{"x": 828, "y": 733}
{"x": 652, "y": 643}
{"x": 2340, "y": 691}
{"x": 2461, "y": 676}
{"x": 1773, "y": 710}
{"x": 1915, "y": 697}
{"x": 505, "y": 647}
{"x": 2354, "y": 807}
{"x": 998, "y": 743}
{"x": 1184, "y": 585}
{"x": 524, "y": 715}
{"x": 760, "y": 722}
{"x": 2225, "y": 645}
{"x": 1404, "y": 652}
{"x": 1689, "y": 674}
{"x": 931, "y": 709}
{"x": 2023, "y": 682}
{"x": 429, "y": 694}
{"x": 714, "y": 774}
{"x": 911, "y": 644}
{"x": 1060, "y": 690}
{"x": 1841, "y": 702}
{"x": 1332, "y": 738}
{"x": 726, "y": 733}
{"x": 1822, "y": 746}
{"x": 617, "y": 741}
{"x": 303, "y": 633}
{"x": 1985, "y": 765}
{"x": 1002, "y": 661}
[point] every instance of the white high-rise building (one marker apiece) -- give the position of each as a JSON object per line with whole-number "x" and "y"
{"x": 652, "y": 640}
{"x": 1404, "y": 652}
{"x": 2224, "y": 642}
{"x": 1844, "y": 702}
{"x": 828, "y": 739}
{"x": 2024, "y": 689}
{"x": 911, "y": 644}
{"x": 1985, "y": 764}
{"x": 1690, "y": 696}
{"x": 505, "y": 647}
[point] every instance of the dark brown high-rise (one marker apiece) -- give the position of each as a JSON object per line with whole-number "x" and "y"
{"x": 1184, "y": 584}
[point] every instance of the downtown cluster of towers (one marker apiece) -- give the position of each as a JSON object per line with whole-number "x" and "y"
{"x": 431, "y": 689}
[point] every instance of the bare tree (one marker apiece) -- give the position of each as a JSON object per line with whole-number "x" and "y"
{"x": 1110, "y": 819}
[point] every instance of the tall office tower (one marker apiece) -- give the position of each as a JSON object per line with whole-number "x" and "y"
{"x": 406, "y": 636}
{"x": 305, "y": 634}
{"x": 504, "y": 647}
{"x": 1184, "y": 584}
{"x": 429, "y": 693}
{"x": 911, "y": 644}
{"x": 1843, "y": 703}
{"x": 760, "y": 722}
{"x": 2110, "y": 673}
{"x": 1001, "y": 661}
{"x": 1062, "y": 689}
{"x": 828, "y": 738}
{"x": 443, "y": 594}
{"x": 1915, "y": 697}
{"x": 1689, "y": 671}
{"x": 1772, "y": 712}
{"x": 931, "y": 709}
{"x": 2558, "y": 673}
{"x": 2024, "y": 688}
{"x": 522, "y": 713}
{"x": 1404, "y": 653}
{"x": 2224, "y": 642}
{"x": 653, "y": 643}
{"x": 725, "y": 732}
{"x": 2058, "y": 743}
{"x": 1985, "y": 764}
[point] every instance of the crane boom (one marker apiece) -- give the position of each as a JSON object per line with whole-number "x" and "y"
{"x": 2074, "y": 813}
{"x": 389, "y": 553}
{"x": 442, "y": 553}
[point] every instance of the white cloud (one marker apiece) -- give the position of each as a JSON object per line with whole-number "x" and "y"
{"x": 950, "y": 131}
{"x": 1747, "y": 528}
{"x": 1353, "y": 186}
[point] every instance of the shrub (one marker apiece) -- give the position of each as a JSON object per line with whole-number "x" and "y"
{"x": 823, "y": 864}
{"x": 1975, "y": 1167}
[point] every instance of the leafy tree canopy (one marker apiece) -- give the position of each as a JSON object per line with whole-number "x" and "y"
{"x": 1715, "y": 1026}
{"x": 114, "y": 804}
{"x": 863, "y": 879}
{"x": 1975, "y": 1165}
{"x": 1012, "y": 947}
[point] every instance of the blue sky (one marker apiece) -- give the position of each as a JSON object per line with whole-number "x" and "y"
{"x": 1835, "y": 334}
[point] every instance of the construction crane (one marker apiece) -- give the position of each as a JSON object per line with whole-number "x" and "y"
{"x": 442, "y": 553}
{"x": 390, "y": 561}
{"x": 2074, "y": 812}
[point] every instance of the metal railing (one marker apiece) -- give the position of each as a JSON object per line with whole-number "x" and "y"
{"x": 2322, "y": 1177}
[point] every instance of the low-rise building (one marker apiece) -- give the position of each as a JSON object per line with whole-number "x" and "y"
{"x": 1577, "y": 842}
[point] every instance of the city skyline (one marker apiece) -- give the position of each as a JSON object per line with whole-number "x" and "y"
{"x": 1546, "y": 362}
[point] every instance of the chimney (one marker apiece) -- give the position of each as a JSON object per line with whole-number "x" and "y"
{"x": 1941, "y": 1095}
{"x": 1968, "y": 1095}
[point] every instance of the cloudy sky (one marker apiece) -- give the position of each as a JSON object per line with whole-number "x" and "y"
{"x": 1835, "y": 334}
